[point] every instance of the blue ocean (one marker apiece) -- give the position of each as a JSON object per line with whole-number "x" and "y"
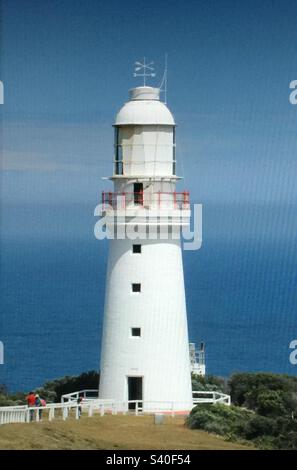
{"x": 241, "y": 289}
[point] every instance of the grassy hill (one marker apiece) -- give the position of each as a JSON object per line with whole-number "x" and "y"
{"x": 110, "y": 432}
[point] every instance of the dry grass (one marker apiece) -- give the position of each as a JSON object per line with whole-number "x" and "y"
{"x": 110, "y": 432}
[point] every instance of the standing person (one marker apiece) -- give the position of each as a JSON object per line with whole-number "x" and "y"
{"x": 38, "y": 403}
{"x": 31, "y": 402}
{"x": 79, "y": 401}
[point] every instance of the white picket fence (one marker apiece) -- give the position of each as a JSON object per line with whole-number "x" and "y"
{"x": 91, "y": 405}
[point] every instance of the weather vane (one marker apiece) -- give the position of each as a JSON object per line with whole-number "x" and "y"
{"x": 144, "y": 69}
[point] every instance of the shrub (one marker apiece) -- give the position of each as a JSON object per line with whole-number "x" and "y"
{"x": 256, "y": 426}
{"x": 217, "y": 418}
{"x": 265, "y": 393}
{"x": 209, "y": 382}
{"x": 52, "y": 391}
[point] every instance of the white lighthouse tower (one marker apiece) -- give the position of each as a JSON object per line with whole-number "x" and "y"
{"x": 145, "y": 348}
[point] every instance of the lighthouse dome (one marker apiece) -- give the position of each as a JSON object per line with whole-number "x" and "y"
{"x": 144, "y": 108}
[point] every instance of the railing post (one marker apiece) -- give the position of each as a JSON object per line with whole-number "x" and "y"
{"x": 51, "y": 414}
{"x": 65, "y": 413}
{"x": 174, "y": 200}
{"x": 136, "y": 408}
{"x": 90, "y": 410}
{"x": 77, "y": 412}
{"x": 159, "y": 199}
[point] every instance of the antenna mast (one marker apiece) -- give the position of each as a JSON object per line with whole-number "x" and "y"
{"x": 164, "y": 80}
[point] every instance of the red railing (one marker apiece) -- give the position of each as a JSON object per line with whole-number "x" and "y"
{"x": 160, "y": 200}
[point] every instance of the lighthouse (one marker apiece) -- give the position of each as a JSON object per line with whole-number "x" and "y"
{"x": 145, "y": 346}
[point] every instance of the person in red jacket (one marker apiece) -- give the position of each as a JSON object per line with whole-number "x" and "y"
{"x": 31, "y": 398}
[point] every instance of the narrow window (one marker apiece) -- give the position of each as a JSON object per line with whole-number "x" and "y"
{"x": 135, "y": 331}
{"x": 136, "y": 287}
{"x": 136, "y": 248}
{"x": 118, "y": 154}
{"x": 138, "y": 193}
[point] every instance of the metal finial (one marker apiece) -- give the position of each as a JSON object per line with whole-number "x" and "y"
{"x": 144, "y": 69}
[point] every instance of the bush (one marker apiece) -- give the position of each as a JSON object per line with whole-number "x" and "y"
{"x": 52, "y": 391}
{"x": 218, "y": 418}
{"x": 256, "y": 426}
{"x": 264, "y": 411}
{"x": 209, "y": 382}
{"x": 267, "y": 394}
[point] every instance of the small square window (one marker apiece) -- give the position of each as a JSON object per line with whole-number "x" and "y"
{"x": 136, "y": 248}
{"x": 136, "y": 287}
{"x": 135, "y": 331}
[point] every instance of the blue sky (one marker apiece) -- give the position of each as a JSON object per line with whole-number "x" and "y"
{"x": 67, "y": 67}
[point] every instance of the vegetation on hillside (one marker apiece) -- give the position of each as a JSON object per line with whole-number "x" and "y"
{"x": 264, "y": 411}
{"x": 209, "y": 383}
{"x": 53, "y": 390}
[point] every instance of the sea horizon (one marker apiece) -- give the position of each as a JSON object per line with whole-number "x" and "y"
{"x": 240, "y": 291}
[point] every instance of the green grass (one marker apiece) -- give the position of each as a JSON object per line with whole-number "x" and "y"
{"x": 110, "y": 432}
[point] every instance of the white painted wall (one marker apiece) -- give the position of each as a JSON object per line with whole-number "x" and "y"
{"x": 161, "y": 355}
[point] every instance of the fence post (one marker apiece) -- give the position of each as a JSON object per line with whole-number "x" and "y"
{"x": 51, "y": 414}
{"x": 136, "y": 408}
{"x": 65, "y": 413}
{"x": 113, "y": 409}
{"x": 77, "y": 412}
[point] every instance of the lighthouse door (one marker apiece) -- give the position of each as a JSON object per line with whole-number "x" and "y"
{"x": 134, "y": 391}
